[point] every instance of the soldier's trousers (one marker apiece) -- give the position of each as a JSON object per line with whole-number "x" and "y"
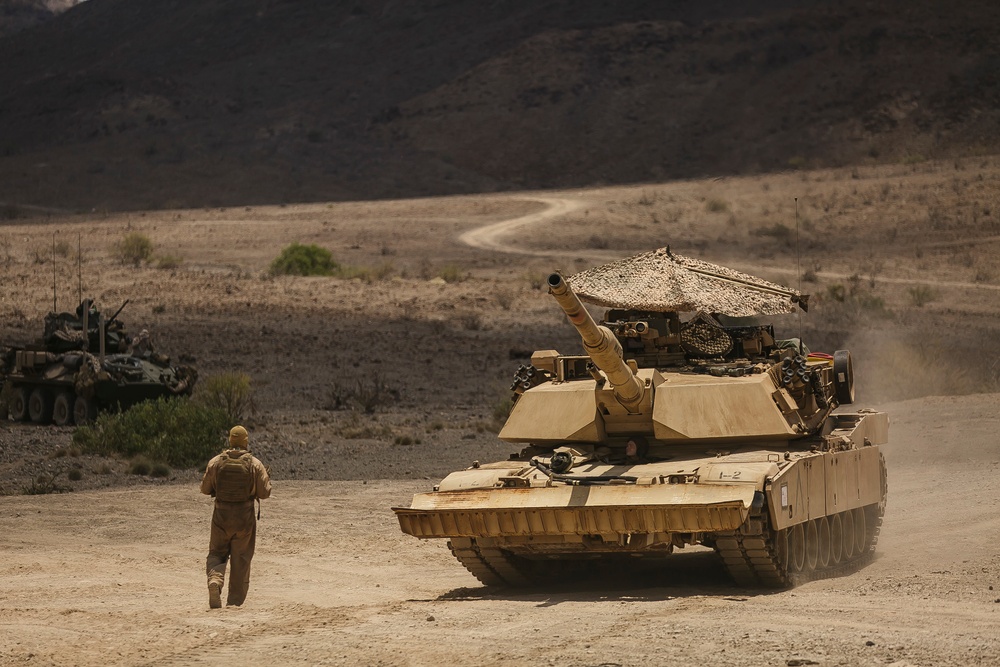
{"x": 234, "y": 535}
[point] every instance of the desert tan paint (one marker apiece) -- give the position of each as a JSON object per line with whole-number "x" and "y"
{"x": 685, "y": 408}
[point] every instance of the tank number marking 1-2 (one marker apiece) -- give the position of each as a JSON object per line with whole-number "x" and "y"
{"x": 730, "y": 475}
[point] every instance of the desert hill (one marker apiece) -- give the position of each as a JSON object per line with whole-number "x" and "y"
{"x": 17, "y": 15}
{"x": 140, "y": 103}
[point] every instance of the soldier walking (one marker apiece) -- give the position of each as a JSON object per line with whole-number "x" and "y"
{"x": 235, "y": 478}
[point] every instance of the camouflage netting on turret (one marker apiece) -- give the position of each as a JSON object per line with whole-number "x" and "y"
{"x": 660, "y": 281}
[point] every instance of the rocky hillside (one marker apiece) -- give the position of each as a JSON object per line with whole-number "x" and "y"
{"x": 146, "y": 103}
{"x": 17, "y": 15}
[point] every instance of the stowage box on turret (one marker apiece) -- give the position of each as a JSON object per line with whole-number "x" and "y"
{"x": 84, "y": 363}
{"x": 686, "y": 423}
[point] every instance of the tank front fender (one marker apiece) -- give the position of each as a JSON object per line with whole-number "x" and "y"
{"x": 577, "y": 510}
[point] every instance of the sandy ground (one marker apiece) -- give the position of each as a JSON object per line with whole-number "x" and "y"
{"x": 115, "y": 576}
{"x": 335, "y": 583}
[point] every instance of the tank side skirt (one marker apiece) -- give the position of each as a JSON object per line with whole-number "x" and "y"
{"x": 755, "y": 554}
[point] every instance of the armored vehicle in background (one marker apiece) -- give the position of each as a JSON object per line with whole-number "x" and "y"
{"x": 686, "y": 423}
{"x": 85, "y": 363}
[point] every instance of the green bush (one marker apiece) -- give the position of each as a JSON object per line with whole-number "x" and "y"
{"x": 921, "y": 295}
{"x": 140, "y": 465}
{"x": 452, "y": 273}
{"x": 177, "y": 431}
{"x": 230, "y": 392}
{"x": 134, "y": 249}
{"x": 303, "y": 260}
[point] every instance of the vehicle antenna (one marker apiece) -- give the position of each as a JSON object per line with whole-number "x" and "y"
{"x": 54, "y": 273}
{"x": 79, "y": 270}
{"x": 798, "y": 272}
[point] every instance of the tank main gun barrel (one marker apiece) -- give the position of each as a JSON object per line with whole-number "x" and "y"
{"x": 602, "y": 346}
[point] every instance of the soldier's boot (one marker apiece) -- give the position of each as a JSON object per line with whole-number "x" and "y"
{"x": 215, "y": 595}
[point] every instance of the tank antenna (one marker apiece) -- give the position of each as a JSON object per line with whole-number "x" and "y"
{"x": 798, "y": 272}
{"x": 79, "y": 269}
{"x": 54, "y": 273}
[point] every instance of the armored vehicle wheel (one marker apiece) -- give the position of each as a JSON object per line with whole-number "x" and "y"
{"x": 19, "y": 405}
{"x": 847, "y": 520}
{"x": 62, "y": 409}
{"x": 860, "y": 531}
{"x": 84, "y": 410}
{"x": 836, "y": 540}
{"x": 823, "y": 541}
{"x": 40, "y": 406}
{"x": 812, "y": 545}
{"x": 796, "y": 548}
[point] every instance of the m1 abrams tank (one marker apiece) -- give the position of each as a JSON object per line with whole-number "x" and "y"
{"x": 82, "y": 364}
{"x": 681, "y": 426}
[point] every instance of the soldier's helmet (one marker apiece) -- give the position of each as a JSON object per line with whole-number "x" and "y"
{"x": 238, "y": 437}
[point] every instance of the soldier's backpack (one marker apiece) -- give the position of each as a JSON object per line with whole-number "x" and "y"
{"x": 235, "y": 480}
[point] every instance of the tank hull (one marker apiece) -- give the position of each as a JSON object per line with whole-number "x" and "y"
{"x": 769, "y": 511}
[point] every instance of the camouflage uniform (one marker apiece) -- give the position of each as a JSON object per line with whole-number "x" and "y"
{"x": 235, "y": 478}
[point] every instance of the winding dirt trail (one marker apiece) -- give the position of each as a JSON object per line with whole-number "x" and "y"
{"x": 497, "y": 238}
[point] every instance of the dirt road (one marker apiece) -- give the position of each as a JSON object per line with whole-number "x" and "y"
{"x": 336, "y": 583}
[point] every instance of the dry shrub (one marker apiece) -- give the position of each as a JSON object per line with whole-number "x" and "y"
{"x": 505, "y": 298}
{"x": 355, "y": 427}
{"x": 536, "y": 280}
{"x": 44, "y": 484}
{"x": 134, "y": 248}
{"x": 230, "y": 392}
{"x": 471, "y": 321}
{"x": 367, "y": 394}
{"x": 921, "y": 295}
{"x": 366, "y": 274}
{"x": 169, "y": 262}
{"x": 452, "y": 273}
{"x": 716, "y": 206}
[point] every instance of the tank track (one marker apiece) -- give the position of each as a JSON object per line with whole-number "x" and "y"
{"x": 487, "y": 563}
{"x": 756, "y": 555}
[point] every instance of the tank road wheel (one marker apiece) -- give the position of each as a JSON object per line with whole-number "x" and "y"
{"x": 40, "y": 406}
{"x": 823, "y": 541}
{"x": 836, "y": 539}
{"x": 62, "y": 409}
{"x": 84, "y": 410}
{"x": 847, "y": 520}
{"x": 812, "y": 545}
{"x": 19, "y": 404}
{"x": 860, "y": 531}
{"x": 796, "y": 548}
